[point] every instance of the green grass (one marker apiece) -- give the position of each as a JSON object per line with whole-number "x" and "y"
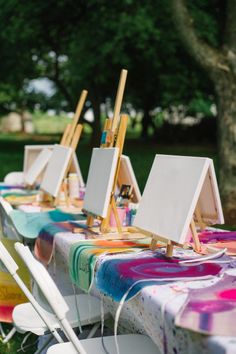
{"x": 141, "y": 154}
{"x": 14, "y": 345}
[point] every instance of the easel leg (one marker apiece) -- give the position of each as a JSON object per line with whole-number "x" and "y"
{"x": 118, "y": 223}
{"x": 200, "y": 222}
{"x": 105, "y": 222}
{"x": 90, "y": 221}
{"x": 153, "y": 244}
{"x": 169, "y": 249}
{"x": 196, "y": 241}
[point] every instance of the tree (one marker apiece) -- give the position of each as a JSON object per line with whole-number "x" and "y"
{"x": 216, "y": 54}
{"x": 85, "y": 44}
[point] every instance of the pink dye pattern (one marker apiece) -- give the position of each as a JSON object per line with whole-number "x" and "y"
{"x": 228, "y": 294}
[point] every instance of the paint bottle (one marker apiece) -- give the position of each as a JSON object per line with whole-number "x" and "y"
{"x": 82, "y": 192}
{"x": 73, "y": 184}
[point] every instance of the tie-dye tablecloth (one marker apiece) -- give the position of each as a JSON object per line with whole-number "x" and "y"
{"x": 152, "y": 311}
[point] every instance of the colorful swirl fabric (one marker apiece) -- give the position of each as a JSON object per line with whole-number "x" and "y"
{"x": 219, "y": 240}
{"x": 44, "y": 244}
{"x": 29, "y": 225}
{"x": 116, "y": 276}
{"x": 211, "y": 310}
{"x": 4, "y": 187}
{"x": 217, "y": 236}
{"x": 83, "y": 257}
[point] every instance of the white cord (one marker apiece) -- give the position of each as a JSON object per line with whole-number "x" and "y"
{"x": 77, "y": 309}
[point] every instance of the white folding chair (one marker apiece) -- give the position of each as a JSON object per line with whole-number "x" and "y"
{"x": 7, "y": 226}
{"x": 33, "y": 306}
{"x": 83, "y": 309}
{"x": 34, "y": 317}
{"x": 133, "y": 343}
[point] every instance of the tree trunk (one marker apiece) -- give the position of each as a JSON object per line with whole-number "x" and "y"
{"x": 22, "y": 121}
{"x": 220, "y": 65}
{"x": 226, "y": 90}
{"x": 146, "y": 123}
{"x": 96, "y": 133}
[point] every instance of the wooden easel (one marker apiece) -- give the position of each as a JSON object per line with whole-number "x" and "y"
{"x": 112, "y": 205}
{"x": 39, "y": 164}
{"x": 71, "y": 139}
{"x": 118, "y": 142}
{"x": 71, "y": 127}
{"x": 113, "y": 135}
{"x": 73, "y": 145}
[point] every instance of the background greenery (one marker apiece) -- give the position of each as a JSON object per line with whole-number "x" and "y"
{"x": 84, "y": 44}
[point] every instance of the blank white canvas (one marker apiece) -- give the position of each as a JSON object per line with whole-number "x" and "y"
{"x": 170, "y": 196}
{"x": 32, "y": 151}
{"x": 100, "y": 180}
{"x": 37, "y": 166}
{"x": 126, "y": 176}
{"x": 56, "y": 169}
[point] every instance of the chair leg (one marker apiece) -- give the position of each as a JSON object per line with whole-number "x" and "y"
{"x": 2, "y": 331}
{"x": 9, "y": 335}
{"x": 93, "y": 330}
{"x": 44, "y": 345}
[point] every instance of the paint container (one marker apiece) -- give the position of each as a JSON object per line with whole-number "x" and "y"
{"x": 122, "y": 216}
{"x": 81, "y": 193}
{"x": 130, "y": 214}
{"x": 73, "y": 185}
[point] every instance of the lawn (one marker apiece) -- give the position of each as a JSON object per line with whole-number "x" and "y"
{"x": 141, "y": 154}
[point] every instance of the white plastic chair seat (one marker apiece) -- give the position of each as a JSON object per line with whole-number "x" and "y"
{"x": 26, "y": 319}
{"x": 16, "y": 178}
{"x": 128, "y": 344}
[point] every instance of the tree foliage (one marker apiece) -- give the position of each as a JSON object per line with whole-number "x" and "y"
{"x": 85, "y": 44}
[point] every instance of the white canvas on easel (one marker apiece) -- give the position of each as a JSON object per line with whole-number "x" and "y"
{"x": 100, "y": 180}
{"x": 173, "y": 189}
{"x": 31, "y": 152}
{"x": 56, "y": 169}
{"x": 37, "y": 166}
{"x": 126, "y": 176}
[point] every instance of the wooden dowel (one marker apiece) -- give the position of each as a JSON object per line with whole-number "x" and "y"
{"x": 153, "y": 244}
{"x": 114, "y": 208}
{"x": 90, "y": 220}
{"x": 75, "y": 120}
{"x": 195, "y": 236}
{"x": 119, "y": 97}
{"x": 122, "y": 132}
{"x": 169, "y": 249}
{"x": 76, "y": 136}
{"x": 200, "y": 222}
{"x": 65, "y": 135}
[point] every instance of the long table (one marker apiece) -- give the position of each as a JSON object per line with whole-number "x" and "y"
{"x": 151, "y": 312}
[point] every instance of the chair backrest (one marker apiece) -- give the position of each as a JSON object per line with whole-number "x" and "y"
{"x": 12, "y": 267}
{"x": 43, "y": 280}
{"x": 8, "y": 229}
{"x": 6, "y": 207}
{"x": 50, "y": 292}
{"x": 7, "y": 260}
